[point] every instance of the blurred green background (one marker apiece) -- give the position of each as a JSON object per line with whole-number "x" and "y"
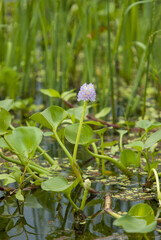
{"x": 62, "y": 44}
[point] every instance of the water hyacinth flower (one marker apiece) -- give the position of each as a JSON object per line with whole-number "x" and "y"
{"x": 87, "y": 92}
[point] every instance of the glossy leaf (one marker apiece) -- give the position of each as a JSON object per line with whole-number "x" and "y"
{"x": 5, "y": 120}
{"x": 19, "y": 195}
{"x": 6, "y": 104}
{"x": 138, "y": 145}
{"x": 50, "y": 92}
{"x": 129, "y": 157}
{"x": 59, "y": 184}
{"x": 143, "y": 211}
{"x": 85, "y": 137}
{"x": 77, "y": 112}
{"x": 101, "y": 131}
{"x": 24, "y": 140}
{"x": 50, "y": 117}
{"x": 7, "y": 178}
{"x": 134, "y": 225}
{"x": 145, "y": 124}
{"x": 153, "y": 139}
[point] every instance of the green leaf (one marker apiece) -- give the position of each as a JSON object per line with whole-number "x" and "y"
{"x": 72, "y": 130}
{"x": 19, "y": 195}
{"x": 94, "y": 123}
{"x": 31, "y": 201}
{"x": 6, "y": 104}
{"x": 122, "y": 132}
{"x": 133, "y": 225}
{"x": 3, "y": 144}
{"x": 109, "y": 144}
{"x": 143, "y": 211}
{"x": 59, "y": 184}
{"x": 77, "y": 112}
{"x": 145, "y": 124}
{"x": 50, "y": 117}
{"x": 101, "y": 131}
{"x": 103, "y": 112}
{"x": 50, "y": 92}
{"x": 7, "y": 178}
{"x": 5, "y": 120}
{"x": 68, "y": 94}
{"x": 153, "y": 139}
{"x": 129, "y": 157}
{"x": 138, "y": 145}
{"x": 24, "y": 140}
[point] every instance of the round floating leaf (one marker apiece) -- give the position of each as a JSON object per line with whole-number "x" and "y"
{"x": 59, "y": 184}
{"x": 85, "y": 137}
{"x": 133, "y": 225}
{"x": 25, "y": 140}
{"x": 50, "y": 117}
{"x": 129, "y": 157}
{"x": 143, "y": 211}
{"x": 153, "y": 139}
{"x": 5, "y": 120}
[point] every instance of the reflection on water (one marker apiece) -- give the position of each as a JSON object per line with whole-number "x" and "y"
{"x": 49, "y": 216}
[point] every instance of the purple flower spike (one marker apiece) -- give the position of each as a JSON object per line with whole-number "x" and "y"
{"x": 87, "y": 92}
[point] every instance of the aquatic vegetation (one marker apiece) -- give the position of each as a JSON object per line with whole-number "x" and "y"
{"x": 23, "y": 143}
{"x": 67, "y": 149}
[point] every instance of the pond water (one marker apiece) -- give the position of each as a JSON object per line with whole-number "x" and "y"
{"x": 47, "y": 215}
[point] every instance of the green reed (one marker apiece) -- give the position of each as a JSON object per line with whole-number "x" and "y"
{"x": 66, "y": 43}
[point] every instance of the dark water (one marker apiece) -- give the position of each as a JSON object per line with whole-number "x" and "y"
{"x": 51, "y": 217}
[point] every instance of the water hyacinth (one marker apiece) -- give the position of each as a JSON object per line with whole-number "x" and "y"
{"x": 87, "y": 92}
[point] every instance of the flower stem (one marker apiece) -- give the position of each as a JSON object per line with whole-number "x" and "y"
{"x": 79, "y": 132}
{"x": 73, "y": 164}
{"x": 84, "y": 199}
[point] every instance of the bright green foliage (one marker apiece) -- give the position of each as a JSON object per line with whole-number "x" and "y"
{"x": 9, "y": 82}
{"x": 50, "y": 117}
{"x": 140, "y": 219}
{"x": 103, "y": 112}
{"x": 19, "y": 195}
{"x": 24, "y": 140}
{"x": 76, "y": 113}
{"x": 50, "y": 92}
{"x": 153, "y": 139}
{"x": 143, "y": 211}
{"x": 59, "y": 184}
{"x": 6, "y": 104}
{"x": 85, "y": 137}
{"x": 129, "y": 158}
{"x": 5, "y": 120}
